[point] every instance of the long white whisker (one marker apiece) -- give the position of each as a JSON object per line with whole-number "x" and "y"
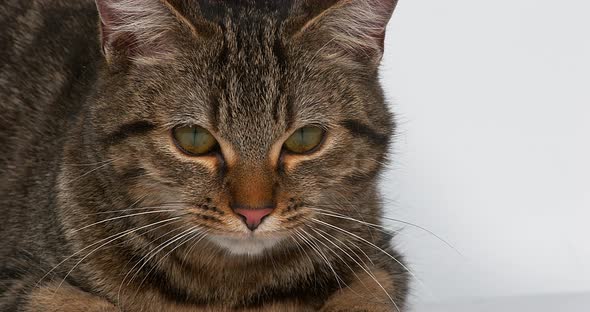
{"x": 121, "y": 217}
{"x": 342, "y": 260}
{"x": 337, "y": 215}
{"x": 203, "y": 235}
{"x": 90, "y": 171}
{"x": 139, "y": 261}
{"x": 108, "y": 242}
{"x": 96, "y": 163}
{"x": 158, "y": 249}
{"x": 316, "y": 248}
{"x": 355, "y": 208}
{"x": 124, "y": 210}
{"x": 96, "y": 243}
{"x": 364, "y": 268}
{"x": 150, "y": 255}
{"x": 371, "y": 244}
{"x": 303, "y": 251}
{"x": 193, "y": 230}
{"x": 375, "y": 226}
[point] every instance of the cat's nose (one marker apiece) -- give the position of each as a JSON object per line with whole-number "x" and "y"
{"x": 253, "y": 217}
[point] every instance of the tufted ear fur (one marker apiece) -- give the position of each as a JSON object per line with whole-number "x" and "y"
{"x": 140, "y": 30}
{"x": 350, "y": 27}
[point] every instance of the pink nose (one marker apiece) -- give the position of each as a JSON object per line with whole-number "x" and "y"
{"x": 253, "y": 217}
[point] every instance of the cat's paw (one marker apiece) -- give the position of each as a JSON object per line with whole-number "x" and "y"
{"x": 65, "y": 298}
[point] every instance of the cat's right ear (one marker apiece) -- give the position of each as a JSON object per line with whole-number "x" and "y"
{"x": 138, "y": 30}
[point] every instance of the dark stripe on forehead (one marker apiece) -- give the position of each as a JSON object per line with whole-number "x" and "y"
{"x": 279, "y": 51}
{"x": 289, "y": 113}
{"x": 361, "y": 130}
{"x": 283, "y": 107}
{"x": 214, "y": 107}
{"x": 224, "y": 54}
{"x": 216, "y": 9}
{"x": 281, "y": 59}
{"x": 130, "y": 129}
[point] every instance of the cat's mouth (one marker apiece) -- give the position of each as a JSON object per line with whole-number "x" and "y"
{"x": 251, "y": 244}
{"x": 247, "y": 232}
{"x": 245, "y": 241}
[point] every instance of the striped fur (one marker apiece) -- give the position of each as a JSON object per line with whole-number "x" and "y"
{"x": 101, "y": 211}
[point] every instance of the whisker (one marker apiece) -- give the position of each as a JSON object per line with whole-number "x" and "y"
{"x": 142, "y": 260}
{"x": 168, "y": 205}
{"x": 121, "y": 217}
{"x": 204, "y": 234}
{"x": 158, "y": 249}
{"x": 96, "y": 243}
{"x": 302, "y": 250}
{"x": 91, "y": 171}
{"x": 342, "y": 260}
{"x": 150, "y": 255}
{"x": 367, "y": 270}
{"x": 351, "y": 205}
{"x": 438, "y": 237}
{"x": 369, "y": 243}
{"x": 172, "y": 206}
{"x": 377, "y": 227}
{"x": 96, "y": 163}
{"x": 188, "y": 233}
{"x": 351, "y": 242}
{"x": 130, "y": 206}
{"x": 99, "y": 247}
{"x": 314, "y": 247}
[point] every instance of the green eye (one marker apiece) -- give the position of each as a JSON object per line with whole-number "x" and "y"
{"x": 304, "y": 140}
{"x": 194, "y": 140}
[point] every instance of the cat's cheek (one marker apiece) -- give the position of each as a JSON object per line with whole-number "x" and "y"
{"x": 66, "y": 298}
{"x": 152, "y": 194}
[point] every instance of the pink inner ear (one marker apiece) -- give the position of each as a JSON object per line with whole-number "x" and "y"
{"x": 384, "y": 8}
{"x": 134, "y": 27}
{"x": 107, "y": 20}
{"x": 356, "y": 27}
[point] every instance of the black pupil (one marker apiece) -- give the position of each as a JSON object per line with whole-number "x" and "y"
{"x": 194, "y": 136}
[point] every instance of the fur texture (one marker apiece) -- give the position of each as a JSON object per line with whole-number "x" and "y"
{"x": 103, "y": 212}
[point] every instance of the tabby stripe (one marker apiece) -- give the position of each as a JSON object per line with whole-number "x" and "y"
{"x": 133, "y": 174}
{"x": 8, "y": 273}
{"x": 359, "y": 129}
{"x": 130, "y": 129}
{"x": 159, "y": 280}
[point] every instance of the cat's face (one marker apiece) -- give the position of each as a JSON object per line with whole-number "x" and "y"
{"x": 249, "y": 133}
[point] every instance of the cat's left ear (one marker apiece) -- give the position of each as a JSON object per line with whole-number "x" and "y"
{"x": 349, "y": 27}
{"x": 138, "y": 30}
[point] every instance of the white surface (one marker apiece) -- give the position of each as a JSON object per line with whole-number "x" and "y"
{"x": 556, "y": 303}
{"x": 493, "y": 154}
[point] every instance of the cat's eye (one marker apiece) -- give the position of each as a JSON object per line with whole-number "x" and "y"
{"x": 304, "y": 140}
{"x": 194, "y": 140}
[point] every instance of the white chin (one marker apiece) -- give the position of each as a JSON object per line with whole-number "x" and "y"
{"x": 251, "y": 246}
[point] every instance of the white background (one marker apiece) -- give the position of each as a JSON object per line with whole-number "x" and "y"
{"x": 493, "y": 149}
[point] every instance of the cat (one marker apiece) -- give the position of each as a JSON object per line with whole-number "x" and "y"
{"x": 206, "y": 155}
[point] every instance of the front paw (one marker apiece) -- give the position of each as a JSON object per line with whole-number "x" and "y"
{"x": 65, "y": 298}
{"x": 368, "y": 293}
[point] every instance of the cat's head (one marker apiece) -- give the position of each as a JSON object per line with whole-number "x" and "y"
{"x": 250, "y": 121}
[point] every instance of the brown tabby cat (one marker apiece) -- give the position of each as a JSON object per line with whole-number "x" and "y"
{"x": 194, "y": 155}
